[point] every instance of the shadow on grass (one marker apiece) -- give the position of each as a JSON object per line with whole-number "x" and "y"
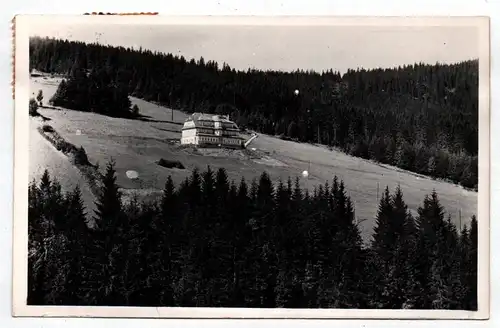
{"x": 44, "y": 118}
{"x": 169, "y": 164}
{"x": 148, "y": 119}
{"x": 168, "y": 130}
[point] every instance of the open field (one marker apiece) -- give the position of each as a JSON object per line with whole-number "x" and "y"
{"x": 44, "y": 156}
{"x": 138, "y": 144}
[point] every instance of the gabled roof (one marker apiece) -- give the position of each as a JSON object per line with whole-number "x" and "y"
{"x": 208, "y": 117}
{"x": 202, "y": 117}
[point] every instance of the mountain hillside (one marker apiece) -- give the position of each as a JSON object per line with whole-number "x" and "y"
{"x": 422, "y": 118}
{"x": 138, "y": 144}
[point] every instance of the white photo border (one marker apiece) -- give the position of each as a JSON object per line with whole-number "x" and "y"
{"x": 21, "y": 166}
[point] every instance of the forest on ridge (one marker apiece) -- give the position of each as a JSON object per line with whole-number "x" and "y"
{"x": 422, "y": 118}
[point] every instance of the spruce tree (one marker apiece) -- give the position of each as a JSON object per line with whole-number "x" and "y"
{"x": 383, "y": 248}
{"x": 209, "y": 196}
{"x": 147, "y": 278}
{"x": 352, "y": 292}
{"x": 168, "y": 224}
{"x": 430, "y": 260}
{"x": 36, "y": 236}
{"x": 221, "y": 251}
{"x": 33, "y": 107}
{"x": 384, "y": 235}
{"x": 168, "y": 200}
{"x": 401, "y": 287}
{"x": 39, "y": 98}
{"x": 110, "y": 246}
{"x": 281, "y": 243}
{"x": 234, "y": 230}
{"x": 53, "y": 241}
{"x": 260, "y": 256}
{"x": 77, "y": 235}
{"x": 296, "y": 250}
{"x": 109, "y": 206}
{"x": 242, "y": 229}
{"x": 473, "y": 263}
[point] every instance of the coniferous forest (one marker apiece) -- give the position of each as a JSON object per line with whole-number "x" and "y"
{"x": 422, "y": 118}
{"x": 211, "y": 242}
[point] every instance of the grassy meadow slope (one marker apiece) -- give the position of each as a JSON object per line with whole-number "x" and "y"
{"x": 138, "y": 144}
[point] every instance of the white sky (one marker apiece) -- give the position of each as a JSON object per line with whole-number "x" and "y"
{"x": 286, "y": 48}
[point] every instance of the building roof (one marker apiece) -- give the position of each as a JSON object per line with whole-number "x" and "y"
{"x": 209, "y": 117}
{"x": 197, "y": 117}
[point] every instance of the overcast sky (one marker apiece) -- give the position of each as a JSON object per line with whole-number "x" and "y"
{"x": 287, "y": 48}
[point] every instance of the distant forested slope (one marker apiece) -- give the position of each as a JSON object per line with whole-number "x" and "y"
{"x": 423, "y": 118}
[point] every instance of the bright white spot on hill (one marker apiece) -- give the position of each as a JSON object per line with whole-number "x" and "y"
{"x": 296, "y": 92}
{"x": 305, "y": 174}
{"x": 132, "y": 174}
{"x": 78, "y": 132}
{"x": 254, "y": 149}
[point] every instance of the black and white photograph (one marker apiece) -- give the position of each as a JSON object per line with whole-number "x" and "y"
{"x": 296, "y": 167}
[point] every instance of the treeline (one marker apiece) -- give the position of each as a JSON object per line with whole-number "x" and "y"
{"x": 210, "y": 242}
{"x": 423, "y": 118}
{"x": 96, "y": 91}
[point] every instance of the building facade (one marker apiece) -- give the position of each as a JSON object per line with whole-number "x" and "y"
{"x": 208, "y": 130}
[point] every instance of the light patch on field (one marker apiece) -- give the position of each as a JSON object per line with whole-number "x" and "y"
{"x": 131, "y": 174}
{"x": 269, "y": 161}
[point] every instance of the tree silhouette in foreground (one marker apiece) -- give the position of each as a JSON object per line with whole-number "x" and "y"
{"x": 211, "y": 242}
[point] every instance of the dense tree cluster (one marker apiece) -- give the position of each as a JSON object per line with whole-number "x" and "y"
{"x": 94, "y": 91}
{"x": 423, "y": 118}
{"x": 422, "y": 262}
{"x": 212, "y": 242}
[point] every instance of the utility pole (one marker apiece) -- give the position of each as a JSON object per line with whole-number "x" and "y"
{"x": 460, "y": 218}
{"x": 377, "y": 192}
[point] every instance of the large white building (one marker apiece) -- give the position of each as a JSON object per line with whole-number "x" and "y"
{"x": 211, "y": 131}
